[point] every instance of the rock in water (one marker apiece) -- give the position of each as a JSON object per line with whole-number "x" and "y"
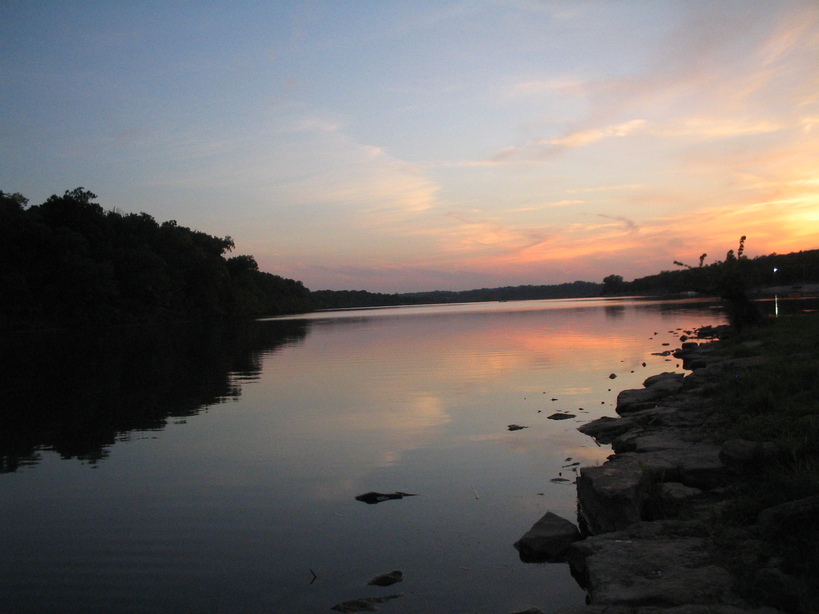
{"x": 547, "y": 540}
{"x": 559, "y": 416}
{"x": 365, "y": 604}
{"x": 386, "y": 579}
{"x": 371, "y": 498}
{"x": 516, "y": 427}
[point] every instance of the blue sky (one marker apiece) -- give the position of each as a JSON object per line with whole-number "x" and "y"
{"x": 400, "y": 146}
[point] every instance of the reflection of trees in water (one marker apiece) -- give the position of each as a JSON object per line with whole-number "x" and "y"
{"x": 615, "y": 311}
{"x": 78, "y": 392}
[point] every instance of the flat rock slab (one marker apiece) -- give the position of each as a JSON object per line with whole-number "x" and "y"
{"x": 663, "y": 564}
{"x": 611, "y": 495}
{"x": 680, "y": 609}
{"x": 547, "y": 540}
{"x": 606, "y": 429}
{"x": 365, "y": 604}
{"x": 656, "y": 387}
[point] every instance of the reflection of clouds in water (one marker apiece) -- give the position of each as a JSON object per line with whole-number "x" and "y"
{"x": 402, "y": 425}
{"x": 327, "y": 458}
{"x": 355, "y": 398}
{"x": 590, "y": 455}
{"x": 577, "y": 390}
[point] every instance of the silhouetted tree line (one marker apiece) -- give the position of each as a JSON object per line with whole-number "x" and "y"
{"x": 792, "y": 270}
{"x": 68, "y": 261}
{"x": 734, "y": 280}
{"x": 346, "y": 299}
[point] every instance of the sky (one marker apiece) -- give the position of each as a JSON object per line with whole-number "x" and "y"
{"x": 400, "y": 146}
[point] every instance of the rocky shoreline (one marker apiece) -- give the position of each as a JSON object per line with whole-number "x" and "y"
{"x": 648, "y": 512}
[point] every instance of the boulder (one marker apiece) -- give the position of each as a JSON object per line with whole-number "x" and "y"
{"x": 743, "y": 457}
{"x": 364, "y": 604}
{"x": 656, "y": 387}
{"x": 547, "y": 540}
{"x": 803, "y": 512}
{"x": 662, "y": 563}
{"x": 606, "y": 429}
{"x": 668, "y": 379}
{"x": 387, "y": 579}
{"x": 610, "y": 496}
{"x": 696, "y": 465}
{"x": 630, "y": 401}
{"x": 680, "y": 609}
{"x": 676, "y": 492}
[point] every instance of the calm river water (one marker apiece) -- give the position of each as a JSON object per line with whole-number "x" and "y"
{"x": 202, "y": 470}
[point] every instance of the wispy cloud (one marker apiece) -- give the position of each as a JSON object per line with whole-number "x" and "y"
{"x": 585, "y": 137}
{"x": 628, "y": 224}
{"x": 547, "y": 205}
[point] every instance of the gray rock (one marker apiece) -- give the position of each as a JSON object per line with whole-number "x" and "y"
{"x": 387, "y": 579}
{"x": 653, "y": 440}
{"x": 604, "y": 430}
{"x": 743, "y": 457}
{"x": 547, "y": 540}
{"x": 800, "y": 512}
{"x": 629, "y": 401}
{"x": 365, "y": 604}
{"x": 610, "y": 496}
{"x": 666, "y": 379}
{"x": 674, "y": 492}
{"x": 656, "y": 387}
{"x": 662, "y": 563}
{"x": 696, "y": 465}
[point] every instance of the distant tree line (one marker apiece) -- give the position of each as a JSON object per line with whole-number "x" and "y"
{"x": 735, "y": 280}
{"x": 791, "y": 270}
{"x": 68, "y": 261}
{"x": 346, "y": 299}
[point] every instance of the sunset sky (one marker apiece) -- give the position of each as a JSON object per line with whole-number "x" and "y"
{"x": 427, "y": 144}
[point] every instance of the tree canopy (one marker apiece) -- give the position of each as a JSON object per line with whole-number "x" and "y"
{"x": 68, "y": 261}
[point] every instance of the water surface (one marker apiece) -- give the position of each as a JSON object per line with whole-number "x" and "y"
{"x": 202, "y": 470}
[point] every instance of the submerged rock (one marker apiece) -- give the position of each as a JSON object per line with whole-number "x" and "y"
{"x": 560, "y": 416}
{"x": 547, "y": 540}
{"x": 372, "y": 498}
{"x": 365, "y": 604}
{"x": 387, "y": 579}
{"x": 516, "y": 427}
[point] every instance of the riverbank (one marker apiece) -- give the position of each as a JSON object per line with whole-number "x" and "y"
{"x": 711, "y": 499}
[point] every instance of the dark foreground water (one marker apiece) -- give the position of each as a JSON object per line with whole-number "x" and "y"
{"x": 216, "y": 470}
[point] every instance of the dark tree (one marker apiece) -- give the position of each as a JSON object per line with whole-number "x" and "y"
{"x": 68, "y": 261}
